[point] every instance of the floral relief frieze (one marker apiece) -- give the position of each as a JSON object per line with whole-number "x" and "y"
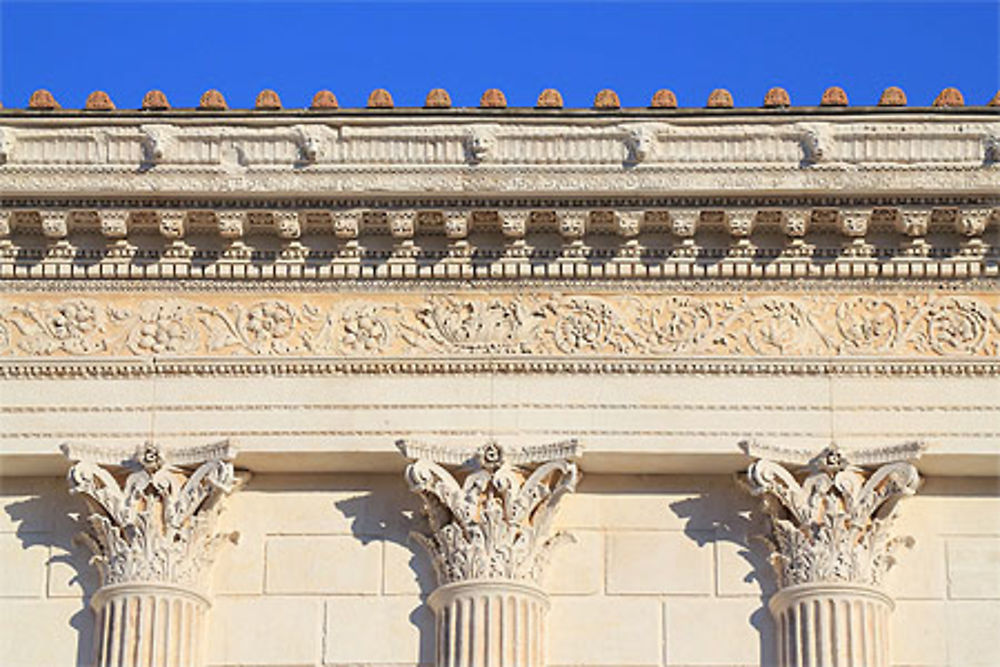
{"x": 537, "y": 323}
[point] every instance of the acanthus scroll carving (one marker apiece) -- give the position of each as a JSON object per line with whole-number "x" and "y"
{"x": 542, "y": 323}
{"x": 496, "y": 522}
{"x": 153, "y": 512}
{"x": 833, "y": 526}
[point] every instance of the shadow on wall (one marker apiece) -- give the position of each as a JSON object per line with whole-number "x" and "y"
{"x": 725, "y": 516}
{"x": 377, "y": 515}
{"x": 43, "y": 520}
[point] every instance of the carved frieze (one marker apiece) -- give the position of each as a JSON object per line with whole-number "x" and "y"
{"x": 517, "y": 325}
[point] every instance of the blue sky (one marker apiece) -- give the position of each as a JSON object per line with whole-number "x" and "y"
{"x": 184, "y": 47}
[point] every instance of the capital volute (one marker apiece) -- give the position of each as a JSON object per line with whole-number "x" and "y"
{"x": 152, "y": 511}
{"x": 830, "y": 513}
{"x": 489, "y": 509}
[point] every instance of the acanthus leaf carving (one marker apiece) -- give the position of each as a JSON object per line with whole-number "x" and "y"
{"x": 496, "y": 522}
{"x": 152, "y": 519}
{"x": 833, "y": 526}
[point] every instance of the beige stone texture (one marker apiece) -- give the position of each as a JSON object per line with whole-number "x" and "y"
{"x": 378, "y": 631}
{"x": 38, "y": 634}
{"x": 919, "y": 633}
{"x": 973, "y": 640}
{"x": 265, "y": 631}
{"x": 23, "y": 559}
{"x": 717, "y": 632}
{"x": 338, "y": 565}
{"x": 648, "y": 563}
{"x": 974, "y": 568}
{"x": 578, "y": 568}
{"x": 606, "y": 631}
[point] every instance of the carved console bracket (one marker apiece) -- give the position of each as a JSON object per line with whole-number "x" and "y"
{"x": 151, "y": 527}
{"x": 489, "y": 540}
{"x": 830, "y": 533}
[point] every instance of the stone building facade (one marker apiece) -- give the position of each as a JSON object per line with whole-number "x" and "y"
{"x": 500, "y": 386}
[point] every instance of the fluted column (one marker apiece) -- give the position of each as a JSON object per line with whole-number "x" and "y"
{"x": 151, "y": 528}
{"x": 830, "y": 536}
{"x": 489, "y": 540}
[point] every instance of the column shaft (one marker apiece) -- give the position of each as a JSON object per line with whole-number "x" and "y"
{"x": 149, "y": 626}
{"x": 490, "y": 624}
{"x": 830, "y": 625}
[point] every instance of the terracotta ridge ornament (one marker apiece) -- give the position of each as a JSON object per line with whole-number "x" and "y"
{"x": 267, "y": 100}
{"x": 949, "y": 97}
{"x": 776, "y": 98}
{"x": 212, "y": 100}
{"x": 99, "y": 101}
{"x": 155, "y": 100}
{"x": 607, "y": 99}
{"x": 550, "y": 98}
{"x": 324, "y": 99}
{"x": 892, "y": 97}
{"x": 43, "y": 100}
{"x": 720, "y": 98}
{"x": 493, "y": 99}
{"x": 437, "y": 98}
{"x": 663, "y": 99}
{"x": 380, "y": 98}
{"x": 834, "y": 96}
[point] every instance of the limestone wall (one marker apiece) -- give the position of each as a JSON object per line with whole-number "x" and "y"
{"x": 662, "y": 573}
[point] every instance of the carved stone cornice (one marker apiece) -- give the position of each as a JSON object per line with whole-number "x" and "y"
{"x": 495, "y": 523}
{"x": 153, "y": 512}
{"x": 834, "y": 525}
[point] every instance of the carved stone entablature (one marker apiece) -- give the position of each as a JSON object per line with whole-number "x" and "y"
{"x": 834, "y": 525}
{"x": 152, "y": 511}
{"x": 494, "y": 524}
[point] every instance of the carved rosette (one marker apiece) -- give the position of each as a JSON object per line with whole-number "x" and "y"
{"x": 151, "y": 528}
{"x": 489, "y": 540}
{"x": 830, "y": 534}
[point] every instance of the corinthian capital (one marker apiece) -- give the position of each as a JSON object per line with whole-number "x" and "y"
{"x": 152, "y": 511}
{"x": 496, "y": 522}
{"x": 831, "y": 519}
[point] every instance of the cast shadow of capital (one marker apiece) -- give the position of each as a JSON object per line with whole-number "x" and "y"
{"x": 380, "y": 516}
{"x": 47, "y": 520}
{"x": 727, "y": 517}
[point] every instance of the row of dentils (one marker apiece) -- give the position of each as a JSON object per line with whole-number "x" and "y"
{"x": 268, "y": 100}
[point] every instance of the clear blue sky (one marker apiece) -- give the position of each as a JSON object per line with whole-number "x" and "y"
{"x": 297, "y": 48}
